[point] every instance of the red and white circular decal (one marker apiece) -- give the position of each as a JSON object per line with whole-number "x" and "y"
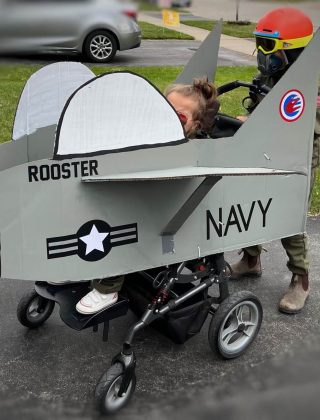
{"x": 292, "y": 105}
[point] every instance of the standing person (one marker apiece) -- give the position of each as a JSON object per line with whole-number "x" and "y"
{"x": 196, "y": 106}
{"x": 281, "y": 36}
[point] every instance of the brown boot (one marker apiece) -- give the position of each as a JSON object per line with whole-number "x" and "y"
{"x": 293, "y": 301}
{"x": 247, "y": 266}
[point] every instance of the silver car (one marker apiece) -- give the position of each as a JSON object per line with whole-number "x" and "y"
{"x": 95, "y": 28}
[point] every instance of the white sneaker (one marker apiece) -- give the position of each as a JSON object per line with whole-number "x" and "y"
{"x": 95, "y": 301}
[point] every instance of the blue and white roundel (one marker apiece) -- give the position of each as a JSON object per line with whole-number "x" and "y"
{"x": 292, "y": 105}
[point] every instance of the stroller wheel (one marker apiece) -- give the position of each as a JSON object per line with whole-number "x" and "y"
{"x": 235, "y": 324}
{"x": 107, "y": 390}
{"x": 33, "y": 310}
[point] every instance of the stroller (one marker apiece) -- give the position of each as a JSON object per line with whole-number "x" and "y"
{"x": 167, "y": 298}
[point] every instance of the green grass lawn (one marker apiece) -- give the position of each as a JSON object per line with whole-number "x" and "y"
{"x": 228, "y": 28}
{"x": 13, "y": 79}
{"x": 315, "y": 204}
{"x": 150, "y": 31}
{"x": 145, "y": 6}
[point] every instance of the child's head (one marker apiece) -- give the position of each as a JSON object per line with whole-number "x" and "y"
{"x": 196, "y": 104}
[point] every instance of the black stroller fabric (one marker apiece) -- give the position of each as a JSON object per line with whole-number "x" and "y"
{"x": 179, "y": 324}
{"x": 224, "y": 126}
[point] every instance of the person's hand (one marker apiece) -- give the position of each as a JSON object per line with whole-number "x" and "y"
{"x": 242, "y": 118}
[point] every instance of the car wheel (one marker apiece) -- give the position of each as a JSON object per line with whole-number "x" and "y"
{"x": 100, "y": 47}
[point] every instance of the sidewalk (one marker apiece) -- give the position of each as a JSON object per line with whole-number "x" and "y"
{"x": 231, "y": 43}
{"x": 251, "y": 10}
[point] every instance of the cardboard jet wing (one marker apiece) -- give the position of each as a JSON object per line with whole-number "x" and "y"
{"x": 126, "y": 191}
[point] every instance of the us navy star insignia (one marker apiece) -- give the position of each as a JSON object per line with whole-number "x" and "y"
{"x": 93, "y": 240}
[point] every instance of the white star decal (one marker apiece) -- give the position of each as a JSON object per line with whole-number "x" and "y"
{"x": 94, "y": 240}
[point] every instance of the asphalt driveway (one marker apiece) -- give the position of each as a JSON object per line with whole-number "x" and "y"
{"x": 51, "y": 372}
{"x": 151, "y": 53}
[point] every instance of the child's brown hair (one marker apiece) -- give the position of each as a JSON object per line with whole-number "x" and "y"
{"x": 205, "y": 93}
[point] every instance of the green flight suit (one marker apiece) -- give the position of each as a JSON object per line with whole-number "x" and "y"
{"x": 108, "y": 285}
{"x": 295, "y": 246}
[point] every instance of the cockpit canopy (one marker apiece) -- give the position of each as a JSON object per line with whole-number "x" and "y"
{"x": 45, "y": 95}
{"x": 113, "y": 112}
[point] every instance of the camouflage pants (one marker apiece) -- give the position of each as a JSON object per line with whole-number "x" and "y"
{"x": 110, "y": 285}
{"x": 296, "y": 246}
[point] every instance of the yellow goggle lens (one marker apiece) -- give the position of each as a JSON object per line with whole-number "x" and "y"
{"x": 271, "y": 45}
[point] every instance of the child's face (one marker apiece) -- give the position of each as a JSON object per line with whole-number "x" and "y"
{"x": 186, "y": 108}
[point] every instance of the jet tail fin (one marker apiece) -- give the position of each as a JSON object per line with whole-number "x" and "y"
{"x": 204, "y": 60}
{"x": 279, "y": 133}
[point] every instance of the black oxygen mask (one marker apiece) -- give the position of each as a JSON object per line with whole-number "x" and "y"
{"x": 270, "y": 64}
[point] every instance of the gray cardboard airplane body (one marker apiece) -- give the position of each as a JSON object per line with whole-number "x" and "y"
{"x": 121, "y": 189}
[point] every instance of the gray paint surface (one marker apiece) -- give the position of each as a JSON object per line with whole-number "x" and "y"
{"x": 247, "y": 210}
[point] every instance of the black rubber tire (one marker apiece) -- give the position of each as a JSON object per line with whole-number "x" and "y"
{"x": 87, "y": 46}
{"x": 27, "y": 310}
{"x": 107, "y": 386}
{"x": 223, "y": 315}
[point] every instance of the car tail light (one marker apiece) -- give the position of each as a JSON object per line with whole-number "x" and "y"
{"x": 130, "y": 13}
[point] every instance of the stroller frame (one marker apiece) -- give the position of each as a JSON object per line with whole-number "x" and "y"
{"x": 158, "y": 308}
{"x": 116, "y": 386}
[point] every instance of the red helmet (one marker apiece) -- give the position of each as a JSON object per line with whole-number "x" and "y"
{"x": 285, "y": 28}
